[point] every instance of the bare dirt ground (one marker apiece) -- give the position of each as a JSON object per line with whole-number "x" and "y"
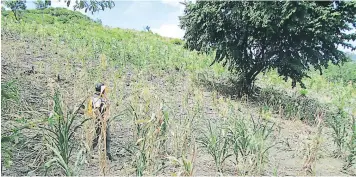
{"x": 286, "y": 158}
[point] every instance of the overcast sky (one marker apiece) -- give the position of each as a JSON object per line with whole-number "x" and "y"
{"x": 160, "y": 15}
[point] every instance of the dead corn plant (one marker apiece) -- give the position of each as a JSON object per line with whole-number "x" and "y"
{"x": 151, "y": 135}
{"x": 313, "y": 147}
{"x": 185, "y": 163}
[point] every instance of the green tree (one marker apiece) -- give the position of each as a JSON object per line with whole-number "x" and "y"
{"x": 16, "y": 6}
{"x": 40, "y": 4}
{"x": 251, "y": 37}
{"x": 91, "y": 5}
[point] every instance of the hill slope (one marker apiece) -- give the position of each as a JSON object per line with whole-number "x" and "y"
{"x": 159, "y": 79}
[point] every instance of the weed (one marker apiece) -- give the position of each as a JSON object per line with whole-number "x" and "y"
{"x": 9, "y": 96}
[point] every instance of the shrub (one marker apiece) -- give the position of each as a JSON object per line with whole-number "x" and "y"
{"x": 344, "y": 73}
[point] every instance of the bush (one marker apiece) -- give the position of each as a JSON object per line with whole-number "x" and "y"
{"x": 300, "y": 107}
{"x": 344, "y": 73}
{"x": 176, "y": 41}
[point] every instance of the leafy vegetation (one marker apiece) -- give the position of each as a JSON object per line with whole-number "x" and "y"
{"x": 161, "y": 94}
{"x": 40, "y": 4}
{"x": 59, "y": 136}
{"x": 253, "y": 37}
{"x": 16, "y": 6}
{"x": 216, "y": 143}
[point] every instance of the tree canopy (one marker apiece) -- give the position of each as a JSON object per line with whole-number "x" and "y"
{"x": 16, "y": 6}
{"x": 88, "y": 5}
{"x": 251, "y": 37}
{"x": 91, "y": 5}
{"x": 40, "y": 4}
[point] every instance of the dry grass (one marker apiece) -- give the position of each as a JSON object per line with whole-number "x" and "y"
{"x": 158, "y": 134}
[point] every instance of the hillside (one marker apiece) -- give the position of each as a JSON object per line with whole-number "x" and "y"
{"x": 152, "y": 79}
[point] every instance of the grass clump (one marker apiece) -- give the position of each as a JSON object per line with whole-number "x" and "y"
{"x": 291, "y": 107}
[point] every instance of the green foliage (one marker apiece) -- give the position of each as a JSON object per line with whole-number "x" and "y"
{"x": 177, "y": 41}
{"x": 61, "y": 15}
{"x": 99, "y": 21}
{"x": 216, "y": 143}
{"x": 294, "y": 106}
{"x": 145, "y": 51}
{"x": 250, "y": 144}
{"x": 16, "y": 6}
{"x": 344, "y": 73}
{"x": 303, "y": 92}
{"x": 91, "y": 5}
{"x": 351, "y": 158}
{"x": 59, "y": 137}
{"x": 4, "y": 12}
{"x": 9, "y": 91}
{"x": 255, "y": 36}
{"x": 40, "y": 4}
{"x": 339, "y": 124}
{"x": 9, "y": 95}
{"x": 8, "y": 142}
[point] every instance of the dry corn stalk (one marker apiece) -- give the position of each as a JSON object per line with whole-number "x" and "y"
{"x": 102, "y": 149}
{"x": 313, "y": 147}
{"x": 102, "y": 142}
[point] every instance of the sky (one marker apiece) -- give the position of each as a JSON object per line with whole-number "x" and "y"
{"x": 160, "y": 15}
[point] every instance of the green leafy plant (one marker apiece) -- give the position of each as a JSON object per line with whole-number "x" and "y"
{"x": 247, "y": 37}
{"x": 249, "y": 144}
{"x": 16, "y": 6}
{"x": 59, "y": 136}
{"x": 351, "y": 158}
{"x": 339, "y": 124}
{"x": 216, "y": 143}
{"x": 9, "y": 95}
{"x": 343, "y": 73}
{"x": 303, "y": 92}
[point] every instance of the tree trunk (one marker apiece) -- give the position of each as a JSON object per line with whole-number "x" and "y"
{"x": 247, "y": 80}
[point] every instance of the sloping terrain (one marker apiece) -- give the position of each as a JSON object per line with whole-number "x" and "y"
{"x": 151, "y": 77}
